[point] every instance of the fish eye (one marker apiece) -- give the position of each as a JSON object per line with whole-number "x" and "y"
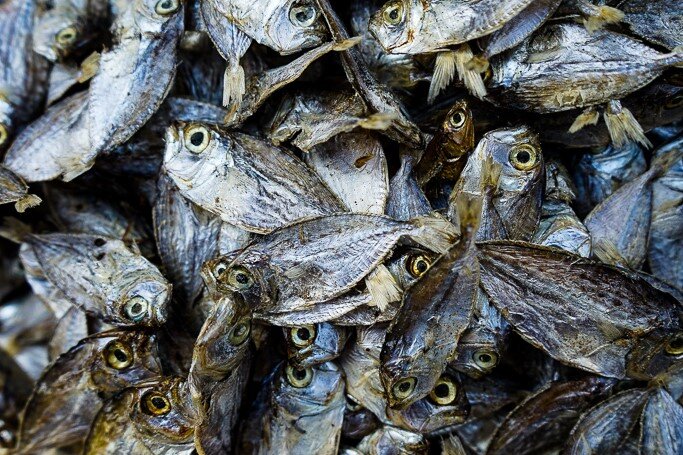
{"x": 299, "y": 377}
{"x": 197, "y": 138}
{"x": 240, "y": 332}
{"x": 66, "y": 36}
{"x": 240, "y": 278}
{"x": 674, "y": 346}
{"x": 303, "y": 16}
{"x": 418, "y": 265}
{"x": 136, "y": 308}
{"x": 155, "y": 404}
{"x": 4, "y": 134}
{"x": 444, "y": 392}
{"x": 118, "y": 355}
{"x": 457, "y": 120}
{"x": 392, "y": 13}
{"x": 302, "y": 336}
{"x": 675, "y": 101}
{"x": 403, "y": 388}
{"x": 523, "y": 157}
{"x": 219, "y": 269}
{"x": 166, "y": 7}
{"x": 485, "y": 358}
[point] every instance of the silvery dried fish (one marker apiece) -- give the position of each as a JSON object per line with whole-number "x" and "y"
{"x": 127, "y": 89}
{"x": 23, "y": 79}
{"x": 70, "y": 393}
{"x": 56, "y": 145}
{"x": 70, "y": 330}
{"x": 619, "y": 225}
{"x": 218, "y": 172}
{"x": 318, "y": 259}
{"x": 103, "y": 277}
{"x": 512, "y": 196}
{"x": 537, "y": 288}
{"x": 413, "y": 27}
{"x": 153, "y": 417}
{"x": 434, "y": 313}
{"x": 351, "y": 161}
{"x": 387, "y": 440}
{"x": 657, "y": 22}
{"x": 300, "y": 410}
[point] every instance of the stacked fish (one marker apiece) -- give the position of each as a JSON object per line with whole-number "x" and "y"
{"x": 314, "y": 227}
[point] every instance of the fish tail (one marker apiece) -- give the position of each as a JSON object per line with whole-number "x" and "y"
{"x": 346, "y": 44}
{"x": 623, "y": 126}
{"x": 234, "y": 86}
{"x": 596, "y": 17}
{"x": 383, "y": 287}
{"x": 379, "y": 121}
{"x": 89, "y": 67}
{"x": 472, "y": 79}
{"x": 434, "y": 232}
{"x": 675, "y": 58}
{"x": 444, "y": 72}
{"x": 27, "y": 202}
{"x": 590, "y": 116}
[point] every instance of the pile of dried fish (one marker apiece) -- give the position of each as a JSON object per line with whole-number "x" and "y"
{"x": 360, "y": 227}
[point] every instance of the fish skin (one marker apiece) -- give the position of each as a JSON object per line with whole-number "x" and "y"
{"x": 102, "y": 276}
{"x": 222, "y": 180}
{"x": 57, "y": 144}
{"x": 555, "y": 70}
{"x": 613, "y": 310}
{"x": 656, "y": 22}
{"x": 123, "y": 425}
{"x": 24, "y": 75}
{"x": 430, "y": 26}
{"x": 326, "y": 345}
{"x": 296, "y": 266}
{"x": 126, "y": 91}
{"x": 513, "y": 201}
{"x": 304, "y": 419}
{"x": 390, "y": 440}
{"x": 269, "y": 23}
{"x": 14, "y": 189}
{"x": 82, "y": 380}
{"x": 406, "y": 199}
{"x": 552, "y": 411}
{"x": 350, "y": 161}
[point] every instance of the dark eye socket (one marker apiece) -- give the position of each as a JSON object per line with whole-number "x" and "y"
{"x": 197, "y": 138}
{"x": 523, "y": 157}
{"x": 675, "y": 346}
{"x": 675, "y": 101}
{"x": 457, "y": 120}
{"x": 303, "y": 333}
{"x": 441, "y": 390}
{"x": 241, "y": 277}
{"x": 486, "y": 358}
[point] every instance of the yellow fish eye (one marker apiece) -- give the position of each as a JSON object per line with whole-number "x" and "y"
{"x": 444, "y": 392}
{"x": 136, "y": 308}
{"x": 403, "y": 388}
{"x": 457, "y": 119}
{"x": 523, "y": 157}
{"x": 302, "y": 336}
{"x": 299, "y": 377}
{"x": 674, "y": 346}
{"x": 155, "y": 404}
{"x": 240, "y": 332}
{"x": 66, "y": 36}
{"x": 118, "y": 355}
{"x": 240, "y": 278}
{"x": 197, "y": 138}
{"x": 166, "y": 7}
{"x": 302, "y": 16}
{"x": 393, "y": 13}
{"x": 485, "y": 358}
{"x": 418, "y": 265}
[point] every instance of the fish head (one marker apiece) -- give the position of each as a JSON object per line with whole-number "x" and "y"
{"x": 409, "y": 263}
{"x": 191, "y": 148}
{"x": 395, "y": 24}
{"x": 58, "y": 33}
{"x": 158, "y": 16}
{"x": 162, "y": 409}
{"x": 405, "y": 379}
{"x": 294, "y": 25}
{"x": 241, "y": 272}
{"x": 121, "y": 358}
{"x": 445, "y": 405}
{"x": 310, "y": 390}
{"x": 313, "y": 344}
{"x": 477, "y": 356}
{"x": 458, "y": 130}
{"x": 655, "y": 353}
{"x": 225, "y": 337}
{"x": 144, "y": 301}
